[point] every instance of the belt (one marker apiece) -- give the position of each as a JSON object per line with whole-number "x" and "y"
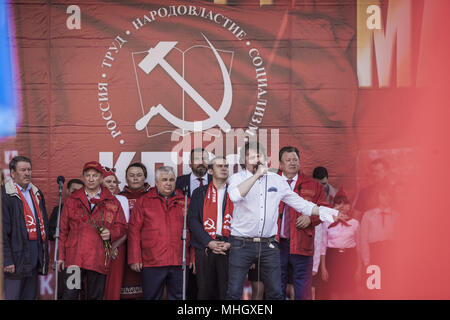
{"x": 341, "y": 250}
{"x": 270, "y": 239}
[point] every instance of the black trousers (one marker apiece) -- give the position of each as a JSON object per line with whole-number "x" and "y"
{"x": 191, "y": 285}
{"x": 94, "y": 281}
{"x": 212, "y": 274}
{"x": 155, "y": 278}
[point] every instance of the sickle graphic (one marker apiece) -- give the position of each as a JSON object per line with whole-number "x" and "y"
{"x": 208, "y": 224}
{"x": 30, "y": 221}
{"x": 155, "y": 57}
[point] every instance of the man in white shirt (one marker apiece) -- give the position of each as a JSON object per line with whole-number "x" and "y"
{"x": 377, "y": 229}
{"x": 256, "y": 195}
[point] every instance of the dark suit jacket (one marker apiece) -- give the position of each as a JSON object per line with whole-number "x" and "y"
{"x": 199, "y": 237}
{"x": 17, "y": 249}
{"x": 185, "y": 180}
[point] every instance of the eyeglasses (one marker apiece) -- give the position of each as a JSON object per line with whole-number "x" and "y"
{"x": 109, "y": 169}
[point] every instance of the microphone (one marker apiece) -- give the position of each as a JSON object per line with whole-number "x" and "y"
{"x": 60, "y": 180}
{"x": 256, "y": 166}
{"x": 185, "y": 190}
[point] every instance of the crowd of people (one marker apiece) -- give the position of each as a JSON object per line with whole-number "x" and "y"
{"x": 291, "y": 235}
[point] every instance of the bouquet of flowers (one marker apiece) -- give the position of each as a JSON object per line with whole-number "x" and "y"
{"x": 100, "y": 226}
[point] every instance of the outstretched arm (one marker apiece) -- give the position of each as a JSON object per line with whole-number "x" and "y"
{"x": 308, "y": 208}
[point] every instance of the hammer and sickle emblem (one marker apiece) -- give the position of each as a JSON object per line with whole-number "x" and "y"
{"x": 208, "y": 224}
{"x": 154, "y": 58}
{"x": 30, "y": 221}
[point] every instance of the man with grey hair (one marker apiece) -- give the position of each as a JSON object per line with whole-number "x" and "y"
{"x": 25, "y": 233}
{"x": 155, "y": 248}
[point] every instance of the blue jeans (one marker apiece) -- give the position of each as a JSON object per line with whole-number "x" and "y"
{"x": 242, "y": 255}
{"x": 154, "y": 279}
{"x": 301, "y": 272}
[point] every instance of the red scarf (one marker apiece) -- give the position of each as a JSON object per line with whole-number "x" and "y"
{"x": 30, "y": 221}
{"x": 210, "y": 213}
{"x": 344, "y": 222}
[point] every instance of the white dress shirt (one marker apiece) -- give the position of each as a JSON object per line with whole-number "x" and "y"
{"x": 256, "y": 214}
{"x": 373, "y": 230}
{"x": 125, "y": 206}
{"x": 194, "y": 183}
{"x": 220, "y": 195}
{"x": 317, "y": 247}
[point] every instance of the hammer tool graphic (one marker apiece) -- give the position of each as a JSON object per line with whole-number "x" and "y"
{"x": 156, "y": 57}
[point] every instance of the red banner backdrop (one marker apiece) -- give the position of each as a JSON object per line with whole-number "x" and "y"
{"x": 113, "y": 80}
{"x": 288, "y": 69}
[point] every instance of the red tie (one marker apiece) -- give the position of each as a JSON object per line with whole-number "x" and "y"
{"x": 286, "y": 228}
{"x": 201, "y": 181}
{"x": 383, "y": 215}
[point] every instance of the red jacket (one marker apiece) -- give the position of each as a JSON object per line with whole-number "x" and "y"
{"x": 133, "y": 195}
{"x": 302, "y": 240}
{"x": 155, "y": 230}
{"x": 79, "y": 242}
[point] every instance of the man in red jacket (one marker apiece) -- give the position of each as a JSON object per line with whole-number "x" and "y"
{"x": 136, "y": 175}
{"x": 296, "y": 230}
{"x": 92, "y": 218}
{"x": 155, "y": 247}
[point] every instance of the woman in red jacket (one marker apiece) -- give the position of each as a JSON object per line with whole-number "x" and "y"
{"x": 118, "y": 247}
{"x": 155, "y": 247}
{"x": 92, "y": 218}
